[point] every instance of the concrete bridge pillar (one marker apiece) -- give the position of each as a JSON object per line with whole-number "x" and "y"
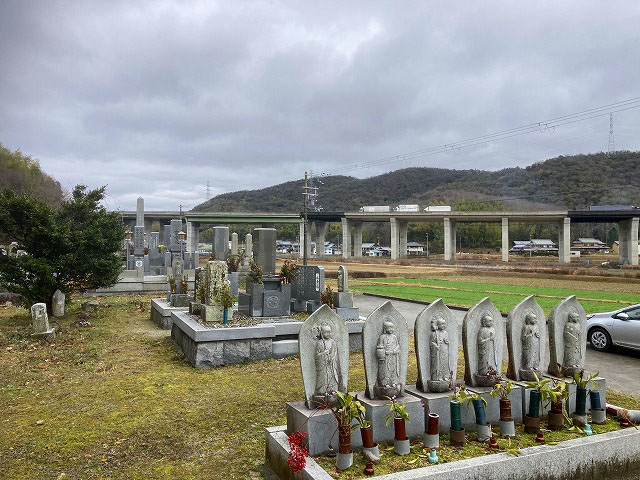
{"x": 346, "y": 238}
{"x": 357, "y": 239}
{"x": 564, "y": 240}
{"x": 321, "y": 232}
{"x": 449, "y": 239}
{"x": 505, "y": 239}
{"x": 395, "y": 238}
{"x": 305, "y": 239}
{"x": 402, "y": 239}
{"x": 628, "y": 241}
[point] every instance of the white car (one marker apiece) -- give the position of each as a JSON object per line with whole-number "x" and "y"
{"x": 620, "y": 327}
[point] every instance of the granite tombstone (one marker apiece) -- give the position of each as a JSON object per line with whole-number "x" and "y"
{"x": 40, "y": 321}
{"x": 307, "y": 287}
{"x": 58, "y": 303}
{"x": 221, "y": 243}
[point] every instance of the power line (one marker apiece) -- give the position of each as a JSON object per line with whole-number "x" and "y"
{"x": 540, "y": 127}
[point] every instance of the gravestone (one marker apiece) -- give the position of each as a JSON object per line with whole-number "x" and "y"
{"x": 221, "y": 243}
{"x": 177, "y": 266}
{"x": 567, "y": 337}
{"x": 385, "y": 345}
{"x": 154, "y": 242}
{"x": 248, "y": 248}
{"x": 40, "y": 321}
{"x": 323, "y": 343}
{"x": 436, "y": 345}
{"x": 140, "y": 212}
{"x": 166, "y": 235}
{"x": 234, "y": 243}
{"x": 174, "y": 243}
{"x": 343, "y": 298}
{"x": 307, "y": 287}
{"x": 57, "y": 304}
{"x": 265, "y": 249}
{"x": 526, "y": 340}
{"x": 138, "y": 241}
{"x": 215, "y": 276}
{"x": 482, "y": 342}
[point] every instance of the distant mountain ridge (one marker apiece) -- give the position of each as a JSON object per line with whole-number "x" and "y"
{"x": 572, "y": 182}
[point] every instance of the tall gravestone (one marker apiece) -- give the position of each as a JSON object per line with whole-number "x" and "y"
{"x": 215, "y": 276}
{"x": 221, "y": 243}
{"x": 264, "y": 249}
{"x": 138, "y": 241}
{"x": 58, "y": 303}
{"x": 248, "y": 249}
{"x": 40, "y": 321}
{"x": 436, "y": 345}
{"x": 234, "y": 243}
{"x": 140, "y": 212}
{"x": 323, "y": 343}
{"x": 154, "y": 242}
{"x": 166, "y": 235}
{"x": 567, "y": 337}
{"x": 177, "y": 266}
{"x": 482, "y": 342}
{"x": 526, "y": 340}
{"x": 385, "y": 345}
{"x": 174, "y": 242}
{"x": 307, "y": 287}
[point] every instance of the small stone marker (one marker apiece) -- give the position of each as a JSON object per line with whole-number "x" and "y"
{"x": 178, "y": 273}
{"x": 436, "y": 345}
{"x": 57, "y": 304}
{"x": 482, "y": 342}
{"x": 343, "y": 279}
{"x": 323, "y": 343}
{"x": 567, "y": 337}
{"x": 248, "y": 248}
{"x": 221, "y": 243}
{"x": 234, "y": 243}
{"x": 526, "y": 340}
{"x": 40, "y": 321}
{"x": 385, "y": 345}
{"x": 343, "y": 298}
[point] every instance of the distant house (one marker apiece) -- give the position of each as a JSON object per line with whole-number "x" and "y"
{"x": 331, "y": 249}
{"x": 589, "y": 245}
{"x": 534, "y": 246}
{"x": 615, "y": 248}
{"x": 415, "y": 248}
{"x": 367, "y": 247}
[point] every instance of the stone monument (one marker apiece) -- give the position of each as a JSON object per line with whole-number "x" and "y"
{"x": 58, "y": 303}
{"x": 306, "y": 288}
{"x": 385, "y": 345}
{"x": 220, "y": 245}
{"x": 215, "y": 277}
{"x": 482, "y": 342}
{"x": 567, "y": 337}
{"x": 343, "y": 298}
{"x": 323, "y": 343}
{"x": 526, "y": 340}
{"x": 40, "y": 321}
{"x": 436, "y": 345}
{"x": 234, "y": 243}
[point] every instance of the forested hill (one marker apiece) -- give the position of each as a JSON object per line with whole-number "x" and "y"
{"x": 22, "y": 174}
{"x": 572, "y": 182}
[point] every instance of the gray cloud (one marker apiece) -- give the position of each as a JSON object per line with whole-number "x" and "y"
{"x": 155, "y": 98}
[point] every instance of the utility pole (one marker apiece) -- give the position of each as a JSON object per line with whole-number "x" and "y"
{"x": 303, "y": 240}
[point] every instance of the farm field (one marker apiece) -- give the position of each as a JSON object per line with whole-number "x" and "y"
{"x": 505, "y": 292}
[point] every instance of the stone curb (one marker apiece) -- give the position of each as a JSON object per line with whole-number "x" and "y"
{"x": 421, "y": 302}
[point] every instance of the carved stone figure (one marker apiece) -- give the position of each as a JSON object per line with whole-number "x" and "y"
{"x": 439, "y": 349}
{"x": 327, "y": 367}
{"x": 343, "y": 279}
{"x": 487, "y": 362}
{"x": 388, "y": 354}
{"x": 530, "y": 347}
{"x": 572, "y": 345}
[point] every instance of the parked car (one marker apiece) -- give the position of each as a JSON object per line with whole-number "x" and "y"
{"x": 620, "y": 327}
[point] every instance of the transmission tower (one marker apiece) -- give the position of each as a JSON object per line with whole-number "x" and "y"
{"x": 612, "y": 142}
{"x": 208, "y": 190}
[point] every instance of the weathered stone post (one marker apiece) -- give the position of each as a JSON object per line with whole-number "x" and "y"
{"x": 505, "y": 239}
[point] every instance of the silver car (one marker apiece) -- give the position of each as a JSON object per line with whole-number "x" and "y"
{"x": 620, "y": 327}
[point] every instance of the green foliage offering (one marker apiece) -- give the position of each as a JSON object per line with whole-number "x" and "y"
{"x": 256, "y": 273}
{"x": 582, "y": 382}
{"x": 202, "y": 291}
{"x": 22, "y": 174}
{"x": 326, "y": 297}
{"x": 347, "y": 409}
{"x": 465, "y": 397}
{"x": 73, "y": 248}
{"x": 503, "y": 389}
{"x": 289, "y": 271}
{"x": 396, "y": 410}
{"x": 550, "y": 390}
{"x": 223, "y": 296}
{"x": 233, "y": 261}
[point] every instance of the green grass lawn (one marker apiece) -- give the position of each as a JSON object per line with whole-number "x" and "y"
{"x": 467, "y": 293}
{"x": 117, "y": 401}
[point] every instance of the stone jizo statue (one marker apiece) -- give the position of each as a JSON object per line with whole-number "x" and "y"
{"x": 487, "y": 358}
{"x": 439, "y": 349}
{"x": 326, "y": 361}
{"x": 530, "y": 348}
{"x": 343, "y": 279}
{"x": 572, "y": 345}
{"x": 388, "y": 382}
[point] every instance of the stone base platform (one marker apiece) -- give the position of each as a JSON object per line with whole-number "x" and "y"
{"x": 161, "y": 312}
{"x": 377, "y": 410}
{"x": 439, "y": 403}
{"x": 607, "y": 455}
{"x": 320, "y": 427}
{"x": 348, "y": 314}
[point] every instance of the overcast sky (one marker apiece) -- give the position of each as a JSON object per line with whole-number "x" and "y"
{"x": 155, "y": 98}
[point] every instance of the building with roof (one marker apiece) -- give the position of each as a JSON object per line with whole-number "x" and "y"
{"x": 590, "y": 245}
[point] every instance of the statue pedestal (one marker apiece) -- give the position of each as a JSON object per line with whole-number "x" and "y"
{"x": 493, "y": 404}
{"x": 320, "y": 427}
{"x": 377, "y": 410}
{"x": 439, "y": 403}
{"x": 348, "y": 314}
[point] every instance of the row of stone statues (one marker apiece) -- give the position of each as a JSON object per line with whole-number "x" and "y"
{"x": 324, "y": 347}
